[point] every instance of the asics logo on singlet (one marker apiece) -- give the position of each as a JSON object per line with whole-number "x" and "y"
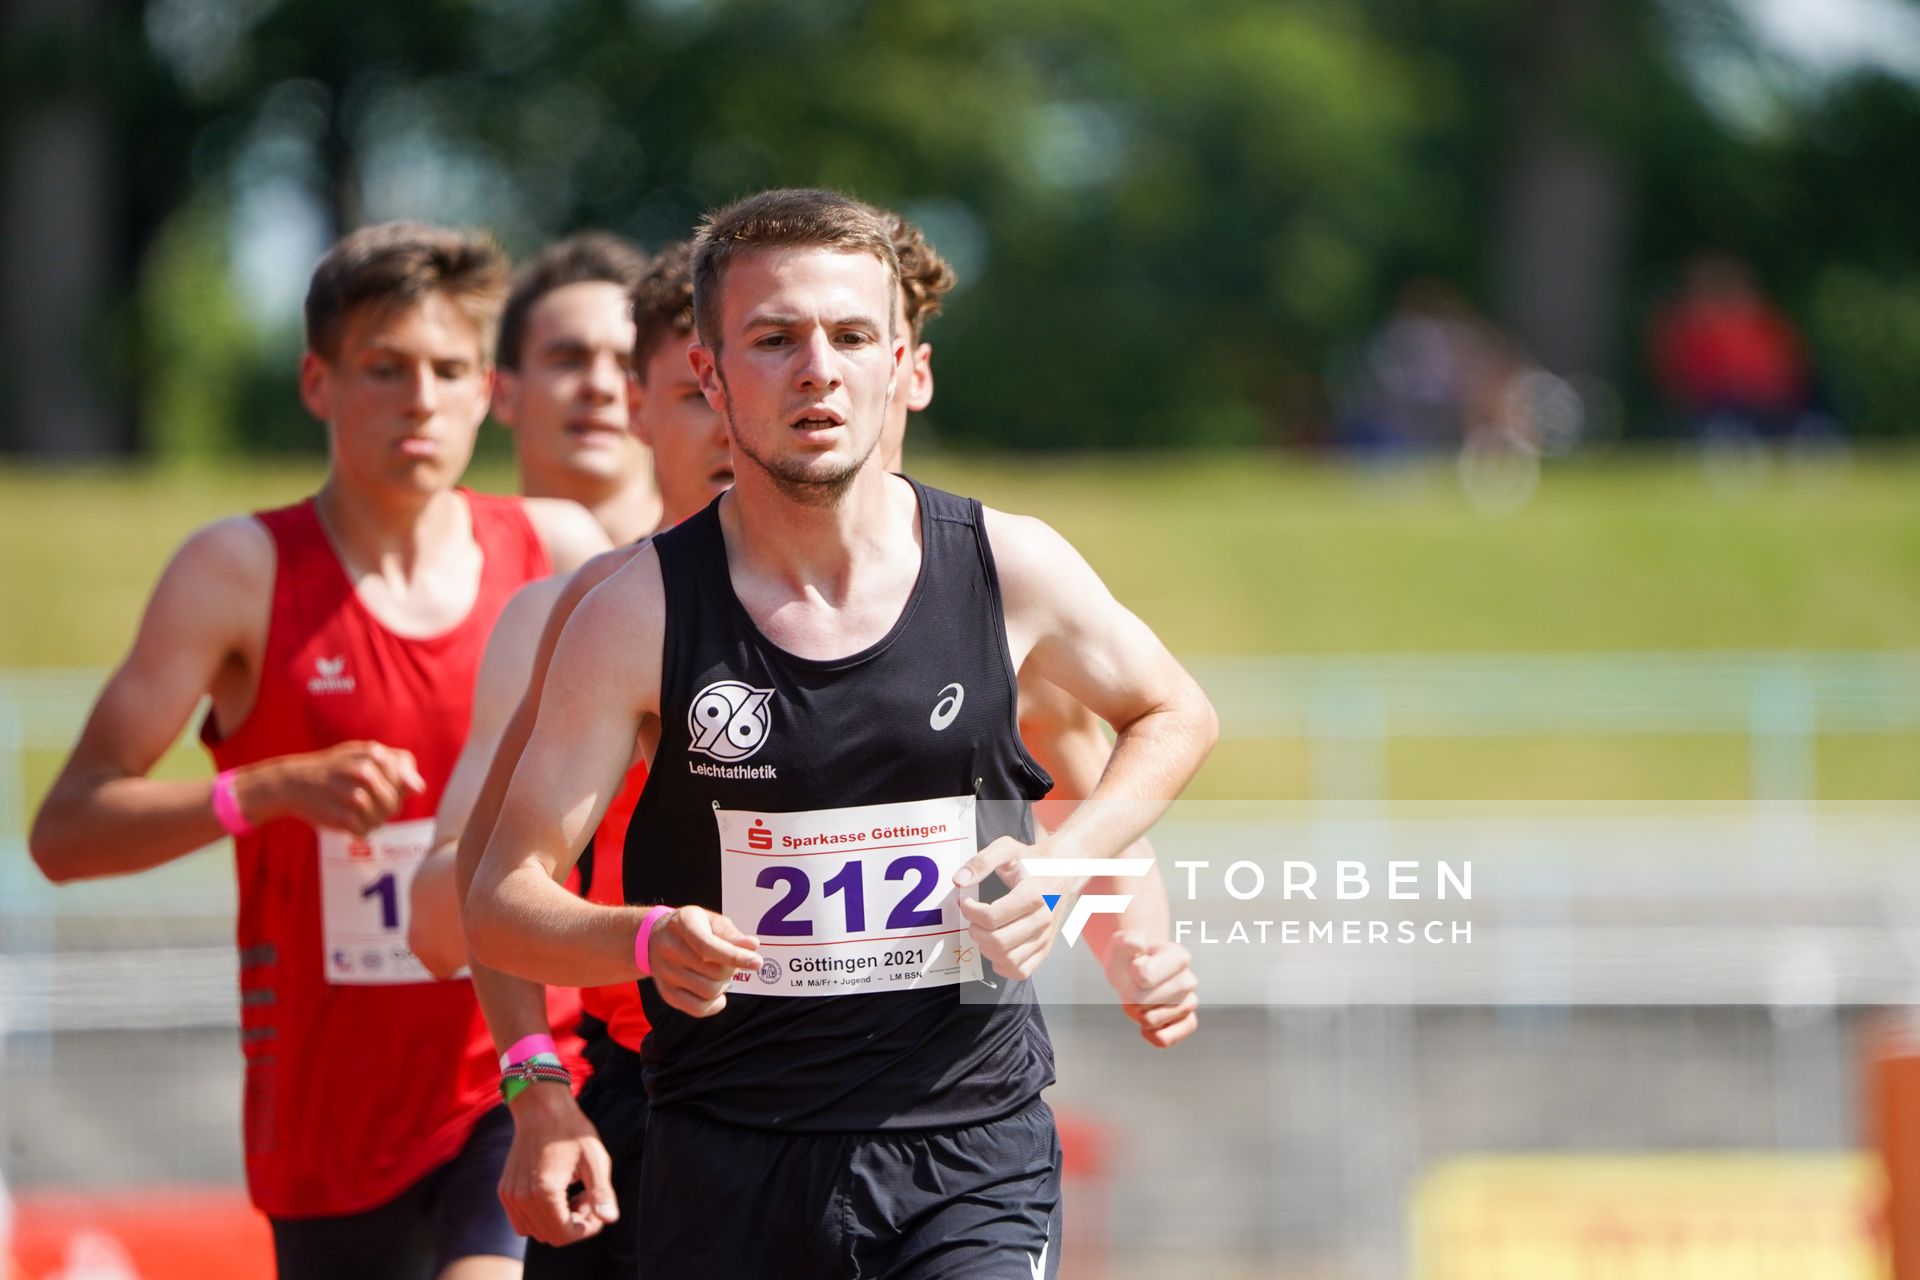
{"x": 947, "y": 708}
{"x": 328, "y": 678}
{"x": 729, "y": 720}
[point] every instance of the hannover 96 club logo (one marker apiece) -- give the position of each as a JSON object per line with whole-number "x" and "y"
{"x": 728, "y": 720}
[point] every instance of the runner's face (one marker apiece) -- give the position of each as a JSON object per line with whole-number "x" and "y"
{"x": 807, "y": 364}
{"x": 404, "y": 396}
{"x": 919, "y": 392}
{"x": 567, "y": 403}
{"x": 692, "y": 457}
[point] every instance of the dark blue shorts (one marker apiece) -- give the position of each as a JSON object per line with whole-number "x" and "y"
{"x": 615, "y": 1099}
{"x": 977, "y": 1202}
{"x": 452, "y": 1213}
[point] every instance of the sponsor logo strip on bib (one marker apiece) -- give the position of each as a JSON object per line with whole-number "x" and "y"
{"x": 850, "y": 901}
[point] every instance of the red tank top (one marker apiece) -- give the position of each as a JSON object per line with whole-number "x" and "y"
{"x": 363, "y": 1074}
{"x": 617, "y": 1005}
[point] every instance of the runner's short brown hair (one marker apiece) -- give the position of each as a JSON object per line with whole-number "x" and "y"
{"x": 789, "y": 218}
{"x": 590, "y": 257}
{"x": 395, "y": 264}
{"x": 662, "y": 303}
{"x": 925, "y": 276}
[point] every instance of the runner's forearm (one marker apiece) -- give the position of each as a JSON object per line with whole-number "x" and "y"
{"x": 105, "y": 827}
{"x": 1154, "y": 757}
{"x": 514, "y": 1007}
{"x": 523, "y": 924}
{"x": 433, "y": 923}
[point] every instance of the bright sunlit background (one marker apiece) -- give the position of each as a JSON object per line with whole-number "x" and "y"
{"x": 1505, "y": 406}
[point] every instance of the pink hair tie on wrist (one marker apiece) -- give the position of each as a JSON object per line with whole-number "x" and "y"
{"x": 640, "y": 957}
{"x": 525, "y": 1047}
{"x": 226, "y": 806}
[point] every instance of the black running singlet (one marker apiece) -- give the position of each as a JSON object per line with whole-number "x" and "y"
{"x": 847, "y": 788}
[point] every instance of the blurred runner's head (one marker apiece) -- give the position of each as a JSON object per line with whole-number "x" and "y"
{"x": 692, "y": 458}
{"x": 925, "y": 279}
{"x": 795, "y": 296}
{"x": 400, "y": 318}
{"x": 564, "y": 356}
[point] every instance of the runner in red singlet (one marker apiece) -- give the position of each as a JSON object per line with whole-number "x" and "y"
{"x": 555, "y": 1140}
{"x": 338, "y": 639}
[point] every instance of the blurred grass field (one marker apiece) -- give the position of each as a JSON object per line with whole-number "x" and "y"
{"x": 1258, "y": 554}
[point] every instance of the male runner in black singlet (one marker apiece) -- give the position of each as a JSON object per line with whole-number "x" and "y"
{"x": 821, "y": 666}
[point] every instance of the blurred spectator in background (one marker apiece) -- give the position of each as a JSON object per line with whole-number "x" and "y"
{"x": 1438, "y": 375}
{"x": 1730, "y": 362}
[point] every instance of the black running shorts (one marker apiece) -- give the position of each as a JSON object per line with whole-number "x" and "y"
{"x": 978, "y": 1202}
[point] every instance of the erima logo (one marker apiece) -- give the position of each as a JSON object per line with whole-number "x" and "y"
{"x": 947, "y": 708}
{"x": 329, "y": 678}
{"x": 1088, "y": 905}
{"x": 729, "y": 720}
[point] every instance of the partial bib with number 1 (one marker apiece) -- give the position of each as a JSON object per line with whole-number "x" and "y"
{"x": 364, "y": 903}
{"x": 850, "y": 901}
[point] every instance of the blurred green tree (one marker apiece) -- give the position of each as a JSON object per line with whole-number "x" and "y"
{"x": 1167, "y": 219}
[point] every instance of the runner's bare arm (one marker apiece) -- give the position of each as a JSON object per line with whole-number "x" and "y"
{"x": 206, "y": 622}
{"x": 553, "y": 1142}
{"x": 1066, "y": 627}
{"x": 602, "y": 679}
{"x": 1152, "y": 973}
{"x": 567, "y": 530}
{"x": 433, "y": 929}
{"x": 1062, "y": 621}
{"x": 1065, "y": 738}
{"x": 603, "y": 684}
{"x": 513, "y": 1006}
{"x": 103, "y": 815}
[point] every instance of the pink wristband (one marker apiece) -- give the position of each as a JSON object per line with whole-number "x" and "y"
{"x": 525, "y": 1047}
{"x": 226, "y": 807}
{"x": 640, "y": 956}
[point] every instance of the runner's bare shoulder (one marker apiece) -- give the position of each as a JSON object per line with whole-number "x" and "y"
{"x": 1033, "y": 562}
{"x": 222, "y": 576}
{"x": 598, "y": 570}
{"x": 566, "y": 529}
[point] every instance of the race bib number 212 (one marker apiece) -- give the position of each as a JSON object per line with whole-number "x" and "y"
{"x": 850, "y": 901}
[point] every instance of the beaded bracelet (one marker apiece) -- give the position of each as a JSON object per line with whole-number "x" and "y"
{"x": 540, "y": 1068}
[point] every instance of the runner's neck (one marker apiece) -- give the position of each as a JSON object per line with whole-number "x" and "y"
{"x": 816, "y": 549}
{"x": 392, "y": 539}
{"x": 626, "y": 506}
